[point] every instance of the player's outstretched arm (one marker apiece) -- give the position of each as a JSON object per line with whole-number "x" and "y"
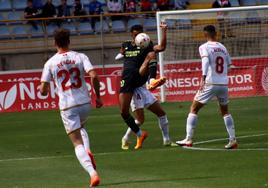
{"x": 162, "y": 46}
{"x": 43, "y": 88}
{"x": 96, "y": 85}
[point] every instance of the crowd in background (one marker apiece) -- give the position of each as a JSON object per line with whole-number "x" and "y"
{"x": 35, "y": 8}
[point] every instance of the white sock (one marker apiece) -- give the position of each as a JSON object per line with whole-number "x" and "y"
{"x": 163, "y": 125}
{"x": 191, "y": 125}
{"x": 229, "y": 124}
{"x": 84, "y": 160}
{"x": 85, "y": 139}
{"x": 129, "y": 131}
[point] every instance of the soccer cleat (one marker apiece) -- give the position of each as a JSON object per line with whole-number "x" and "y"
{"x": 156, "y": 83}
{"x": 92, "y": 159}
{"x": 95, "y": 181}
{"x": 125, "y": 144}
{"x": 141, "y": 139}
{"x": 185, "y": 142}
{"x": 231, "y": 145}
{"x": 169, "y": 143}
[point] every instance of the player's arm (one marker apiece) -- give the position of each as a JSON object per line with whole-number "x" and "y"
{"x": 96, "y": 85}
{"x": 121, "y": 53}
{"x": 162, "y": 46}
{"x": 43, "y": 88}
{"x": 205, "y": 64}
{"x": 45, "y": 79}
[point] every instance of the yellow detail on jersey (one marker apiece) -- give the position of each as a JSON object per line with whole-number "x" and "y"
{"x": 134, "y": 53}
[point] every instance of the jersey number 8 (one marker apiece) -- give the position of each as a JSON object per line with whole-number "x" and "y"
{"x": 219, "y": 64}
{"x": 75, "y": 73}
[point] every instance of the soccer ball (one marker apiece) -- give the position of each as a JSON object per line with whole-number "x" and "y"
{"x": 142, "y": 40}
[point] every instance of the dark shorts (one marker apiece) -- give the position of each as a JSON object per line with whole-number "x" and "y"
{"x": 130, "y": 80}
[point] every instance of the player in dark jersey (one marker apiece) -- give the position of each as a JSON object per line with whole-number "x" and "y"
{"x": 139, "y": 63}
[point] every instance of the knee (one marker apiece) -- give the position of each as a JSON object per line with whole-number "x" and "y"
{"x": 140, "y": 120}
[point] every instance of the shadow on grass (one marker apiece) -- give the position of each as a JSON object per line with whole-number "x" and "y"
{"x": 156, "y": 180}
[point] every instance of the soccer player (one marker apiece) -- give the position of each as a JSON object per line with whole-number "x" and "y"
{"x": 137, "y": 63}
{"x": 67, "y": 68}
{"x": 215, "y": 64}
{"x": 142, "y": 98}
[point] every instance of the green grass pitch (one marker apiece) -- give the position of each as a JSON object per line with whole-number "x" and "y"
{"x": 36, "y": 153}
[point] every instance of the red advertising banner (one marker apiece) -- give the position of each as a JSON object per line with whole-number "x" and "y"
{"x": 18, "y": 89}
{"x": 183, "y": 86}
{"x": 18, "y": 92}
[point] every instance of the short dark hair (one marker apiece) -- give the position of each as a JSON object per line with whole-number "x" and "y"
{"x": 62, "y": 37}
{"x": 210, "y": 29}
{"x": 138, "y": 28}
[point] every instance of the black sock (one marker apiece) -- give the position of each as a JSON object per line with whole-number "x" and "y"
{"x": 152, "y": 69}
{"x": 131, "y": 124}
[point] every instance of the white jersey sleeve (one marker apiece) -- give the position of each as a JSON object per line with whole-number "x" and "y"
{"x": 86, "y": 63}
{"x": 46, "y": 74}
{"x": 203, "y": 51}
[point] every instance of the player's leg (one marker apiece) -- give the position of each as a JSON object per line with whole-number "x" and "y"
{"x": 150, "y": 66}
{"x": 162, "y": 121}
{"x": 83, "y": 113}
{"x": 124, "y": 100}
{"x": 72, "y": 125}
{"x": 227, "y": 117}
{"x": 83, "y": 157}
{"x": 201, "y": 98}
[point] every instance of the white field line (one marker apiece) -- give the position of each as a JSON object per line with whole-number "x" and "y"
{"x": 218, "y": 149}
{"x": 69, "y": 156}
{"x": 221, "y": 139}
{"x": 123, "y": 152}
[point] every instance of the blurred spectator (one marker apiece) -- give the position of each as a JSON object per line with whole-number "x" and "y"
{"x": 223, "y": 23}
{"x": 49, "y": 10}
{"x": 31, "y": 12}
{"x": 181, "y": 4}
{"x": 63, "y": 9}
{"x": 163, "y": 5}
{"x": 114, "y": 6}
{"x": 221, "y": 4}
{"x": 146, "y": 5}
{"x": 130, "y": 6}
{"x": 79, "y": 9}
{"x": 95, "y": 8}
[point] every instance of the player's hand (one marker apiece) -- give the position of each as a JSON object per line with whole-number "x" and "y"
{"x": 99, "y": 103}
{"x": 163, "y": 26}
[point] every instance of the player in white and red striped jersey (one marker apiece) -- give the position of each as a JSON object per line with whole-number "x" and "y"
{"x": 67, "y": 68}
{"x": 215, "y": 64}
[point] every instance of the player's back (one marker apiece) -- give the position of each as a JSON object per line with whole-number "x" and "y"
{"x": 219, "y": 61}
{"x": 68, "y": 70}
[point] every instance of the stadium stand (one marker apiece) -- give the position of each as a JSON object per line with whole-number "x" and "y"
{"x": 5, "y": 5}
{"x": 71, "y": 27}
{"x": 17, "y": 16}
{"x": 19, "y": 4}
{"x": 105, "y": 27}
{"x": 118, "y": 26}
{"x": 149, "y": 24}
{"x": 84, "y": 28}
{"x": 4, "y": 32}
{"x": 36, "y": 33}
{"x": 248, "y": 2}
{"x": 133, "y": 21}
{"x": 19, "y": 32}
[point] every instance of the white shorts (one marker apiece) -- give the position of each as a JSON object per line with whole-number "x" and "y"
{"x": 74, "y": 117}
{"x": 142, "y": 98}
{"x": 210, "y": 91}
